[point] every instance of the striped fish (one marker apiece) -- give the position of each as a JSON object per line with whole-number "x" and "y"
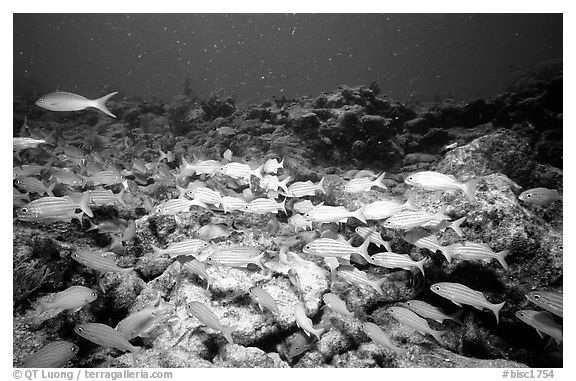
{"x": 396, "y": 261}
{"x": 207, "y": 317}
{"x": 231, "y": 204}
{"x": 240, "y": 171}
{"x": 106, "y": 177}
{"x": 109, "y": 226}
{"x": 264, "y": 299}
{"x": 436, "y": 181}
{"x": 205, "y": 195}
{"x": 103, "y": 197}
{"x": 470, "y": 251}
{"x": 304, "y": 322}
{"x": 364, "y": 184}
{"x": 543, "y": 322}
{"x": 375, "y": 237}
{"x": 410, "y": 319}
{"x": 196, "y": 267}
{"x": 305, "y": 188}
{"x": 379, "y": 337}
{"x": 47, "y": 209}
{"x": 54, "y": 355}
{"x": 192, "y": 246}
{"x": 236, "y": 256}
{"x": 460, "y": 294}
{"x": 336, "y": 304}
{"x": 73, "y": 298}
{"x": 424, "y": 240}
{"x": 106, "y": 336}
{"x": 295, "y": 279}
{"x": 354, "y": 276}
{"x": 34, "y": 185}
{"x": 265, "y": 205}
{"x": 410, "y": 219}
{"x": 325, "y": 214}
{"x": 99, "y": 261}
{"x": 432, "y": 312}
{"x": 177, "y": 205}
{"x": 328, "y": 247}
{"x": 380, "y": 210}
{"x": 550, "y": 301}
{"x": 540, "y": 196}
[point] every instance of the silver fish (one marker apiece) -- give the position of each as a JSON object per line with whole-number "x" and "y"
{"x": 543, "y": 322}
{"x": 63, "y": 101}
{"x": 410, "y": 219}
{"x": 99, "y": 261}
{"x": 264, "y": 299}
{"x": 354, "y": 276}
{"x": 272, "y": 165}
{"x": 305, "y": 188}
{"x": 380, "y": 210}
{"x": 48, "y": 209}
{"x": 207, "y": 317}
{"x": 73, "y": 298}
{"x": 460, "y": 294}
{"x": 205, "y": 195}
{"x": 327, "y": 247}
{"x": 436, "y": 181}
{"x": 476, "y": 251}
{"x": 549, "y": 300}
{"x": 375, "y": 237}
{"x": 141, "y": 322}
{"x": 540, "y": 196}
{"x": 106, "y": 336}
{"x": 432, "y": 312}
{"x": 265, "y": 205}
{"x": 53, "y": 355}
{"x": 192, "y": 246}
{"x": 236, "y": 256}
{"x": 409, "y": 318}
{"x": 393, "y": 260}
{"x": 304, "y": 322}
{"x": 231, "y": 204}
{"x": 336, "y": 304}
{"x": 379, "y": 337}
{"x": 324, "y": 214}
{"x": 34, "y": 185}
{"x": 364, "y": 184}
{"x": 196, "y": 267}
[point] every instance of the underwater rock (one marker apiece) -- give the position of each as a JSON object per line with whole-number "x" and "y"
{"x": 237, "y": 356}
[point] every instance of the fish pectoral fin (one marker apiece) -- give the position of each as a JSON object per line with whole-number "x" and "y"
{"x": 540, "y": 333}
{"x": 76, "y": 309}
{"x": 458, "y": 304}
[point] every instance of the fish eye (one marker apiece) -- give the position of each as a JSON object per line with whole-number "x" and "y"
{"x": 408, "y": 304}
{"x": 41, "y": 100}
{"x": 74, "y": 255}
{"x": 560, "y": 247}
{"x": 536, "y": 297}
{"x": 17, "y": 182}
{"x": 93, "y": 293}
{"x": 528, "y": 195}
{"x": 521, "y": 314}
{"x": 437, "y": 288}
{"x": 24, "y": 210}
{"x": 209, "y": 258}
{"x": 74, "y": 348}
{"x": 79, "y": 329}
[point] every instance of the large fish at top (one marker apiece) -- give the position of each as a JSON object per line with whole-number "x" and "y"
{"x": 64, "y": 101}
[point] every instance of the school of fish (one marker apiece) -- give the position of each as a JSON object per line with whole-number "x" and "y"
{"x": 87, "y": 181}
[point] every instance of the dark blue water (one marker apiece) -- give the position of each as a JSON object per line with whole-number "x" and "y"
{"x": 252, "y": 57}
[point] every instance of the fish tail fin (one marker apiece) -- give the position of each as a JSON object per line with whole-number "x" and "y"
{"x": 411, "y": 203}
{"x": 364, "y": 249}
{"x": 496, "y": 309}
{"x": 258, "y": 172}
{"x": 377, "y": 284}
{"x": 258, "y": 261}
{"x": 284, "y": 183}
{"x": 321, "y": 186}
{"x": 379, "y": 181}
{"x": 457, "y": 316}
{"x": 227, "y": 332}
{"x": 455, "y": 225}
{"x": 501, "y": 258}
{"x": 447, "y": 252}
{"x": 157, "y": 251}
{"x": 283, "y": 206}
{"x": 438, "y": 336}
{"x": 163, "y": 155}
{"x": 420, "y": 265}
{"x": 359, "y": 215}
{"x": 387, "y": 246}
{"x": 468, "y": 189}
{"x": 84, "y": 204}
{"x": 100, "y": 104}
{"x": 281, "y": 164}
{"x": 92, "y": 226}
{"x": 50, "y": 189}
